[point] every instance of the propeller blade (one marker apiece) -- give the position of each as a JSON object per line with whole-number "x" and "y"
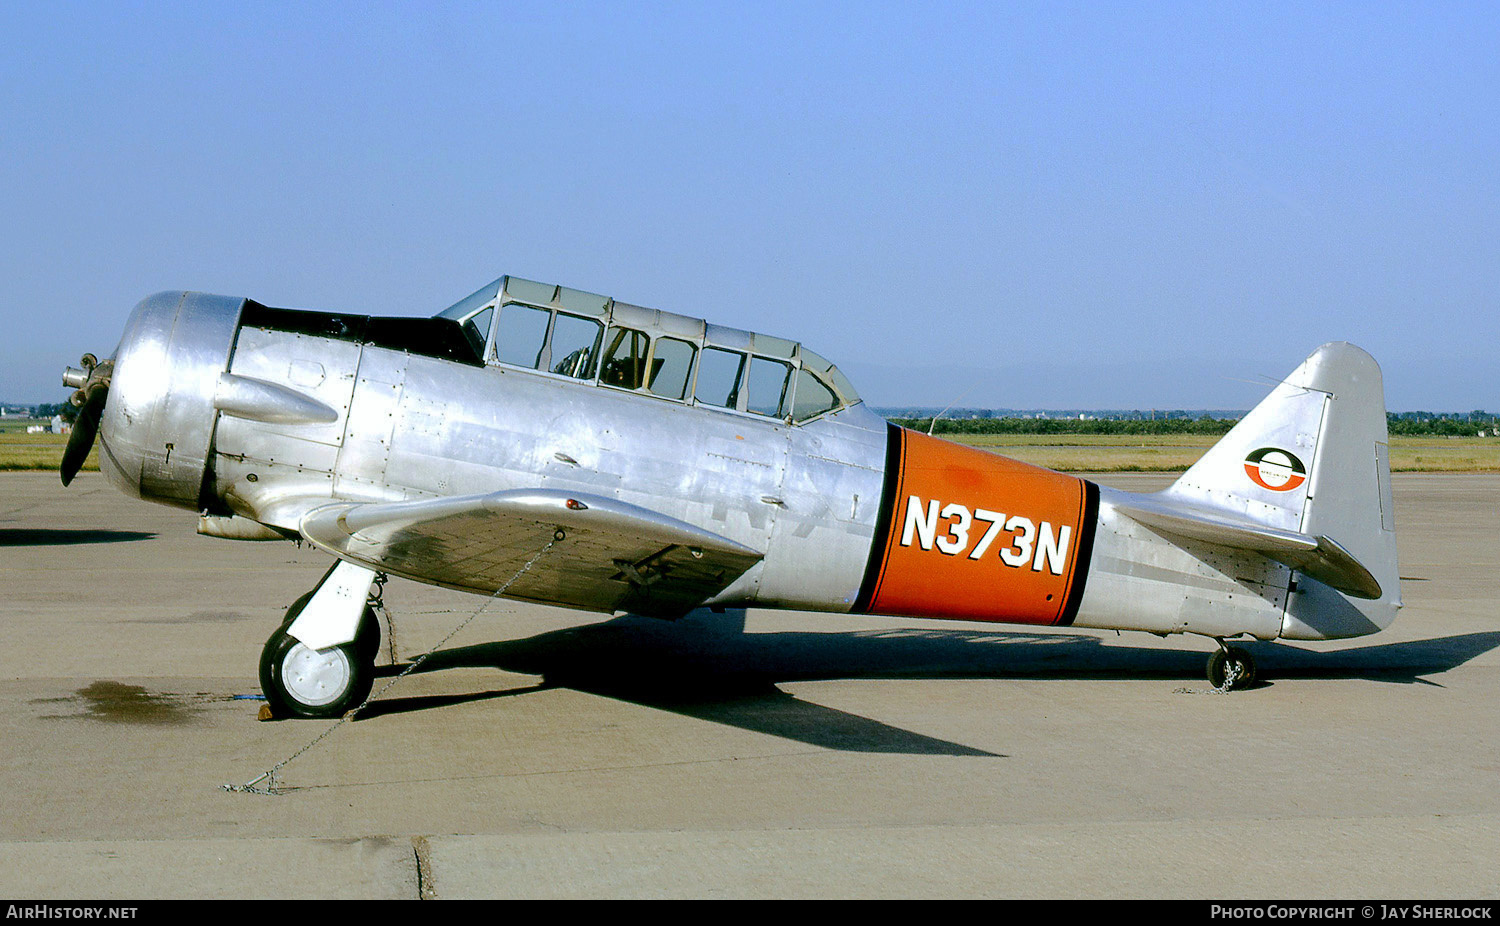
{"x": 85, "y": 429}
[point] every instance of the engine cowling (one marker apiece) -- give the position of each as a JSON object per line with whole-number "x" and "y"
{"x": 158, "y": 424}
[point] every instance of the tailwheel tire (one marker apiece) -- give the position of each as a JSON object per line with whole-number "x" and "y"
{"x": 1230, "y": 669}
{"x": 299, "y": 681}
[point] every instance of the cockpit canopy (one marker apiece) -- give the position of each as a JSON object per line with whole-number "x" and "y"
{"x": 582, "y": 336}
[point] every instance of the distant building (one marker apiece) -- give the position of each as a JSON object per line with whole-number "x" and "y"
{"x": 58, "y": 426}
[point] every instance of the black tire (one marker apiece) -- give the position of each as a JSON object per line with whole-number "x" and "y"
{"x": 300, "y": 682}
{"x": 367, "y": 638}
{"x": 1219, "y": 665}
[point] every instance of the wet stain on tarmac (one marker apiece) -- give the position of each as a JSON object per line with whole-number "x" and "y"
{"x": 115, "y": 702}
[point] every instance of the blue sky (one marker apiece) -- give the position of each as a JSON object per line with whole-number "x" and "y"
{"x": 1030, "y": 205}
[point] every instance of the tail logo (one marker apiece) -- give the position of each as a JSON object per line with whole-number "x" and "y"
{"x": 1275, "y": 469}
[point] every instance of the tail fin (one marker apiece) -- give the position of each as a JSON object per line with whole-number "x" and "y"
{"x": 1313, "y": 458}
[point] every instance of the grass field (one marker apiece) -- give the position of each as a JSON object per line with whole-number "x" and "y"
{"x": 1100, "y": 453}
{"x": 22, "y": 451}
{"x": 1074, "y": 453}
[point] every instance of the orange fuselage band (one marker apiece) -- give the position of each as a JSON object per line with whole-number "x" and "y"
{"x": 975, "y": 536}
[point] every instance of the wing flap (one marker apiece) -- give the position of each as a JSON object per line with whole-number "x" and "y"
{"x": 608, "y": 555}
{"x": 1320, "y": 557}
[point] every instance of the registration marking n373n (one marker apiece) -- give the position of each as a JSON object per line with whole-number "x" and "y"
{"x": 1038, "y": 544}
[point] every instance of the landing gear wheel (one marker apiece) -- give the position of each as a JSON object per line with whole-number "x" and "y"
{"x": 1231, "y": 668}
{"x": 299, "y": 681}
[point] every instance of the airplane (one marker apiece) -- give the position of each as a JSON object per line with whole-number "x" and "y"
{"x": 552, "y": 445}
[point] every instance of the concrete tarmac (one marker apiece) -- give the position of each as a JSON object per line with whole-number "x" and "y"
{"x": 548, "y": 753}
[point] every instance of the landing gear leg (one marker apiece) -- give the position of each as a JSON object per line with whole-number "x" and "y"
{"x": 1230, "y": 668}
{"x": 322, "y": 672}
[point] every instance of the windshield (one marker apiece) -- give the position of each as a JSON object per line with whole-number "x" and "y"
{"x": 471, "y": 304}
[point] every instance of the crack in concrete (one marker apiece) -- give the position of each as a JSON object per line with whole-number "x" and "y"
{"x": 426, "y": 885}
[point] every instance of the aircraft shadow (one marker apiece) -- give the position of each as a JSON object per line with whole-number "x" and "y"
{"x": 1404, "y": 663}
{"x": 705, "y": 667}
{"x": 62, "y": 536}
{"x": 759, "y": 707}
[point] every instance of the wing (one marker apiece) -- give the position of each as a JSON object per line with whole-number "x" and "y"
{"x": 611, "y": 555}
{"x": 1320, "y": 557}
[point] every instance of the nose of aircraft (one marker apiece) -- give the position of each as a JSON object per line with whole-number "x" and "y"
{"x": 151, "y": 404}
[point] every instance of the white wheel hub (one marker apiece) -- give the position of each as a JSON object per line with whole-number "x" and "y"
{"x": 316, "y": 677}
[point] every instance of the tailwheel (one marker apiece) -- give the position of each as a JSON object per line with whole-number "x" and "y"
{"x": 1231, "y": 668}
{"x": 299, "y": 681}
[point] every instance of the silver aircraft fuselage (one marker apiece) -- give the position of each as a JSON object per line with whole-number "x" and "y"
{"x": 258, "y": 417}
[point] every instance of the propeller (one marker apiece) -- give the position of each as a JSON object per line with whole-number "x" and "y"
{"x": 89, "y": 396}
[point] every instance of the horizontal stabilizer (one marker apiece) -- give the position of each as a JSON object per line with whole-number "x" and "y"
{"x": 1322, "y": 558}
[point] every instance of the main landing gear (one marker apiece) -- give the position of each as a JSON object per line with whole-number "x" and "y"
{"x": 321, "y": 662}
{"x": 1230, "y": 668}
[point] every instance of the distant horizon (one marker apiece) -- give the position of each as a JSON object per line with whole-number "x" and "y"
{"x": 899, "y": 410}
